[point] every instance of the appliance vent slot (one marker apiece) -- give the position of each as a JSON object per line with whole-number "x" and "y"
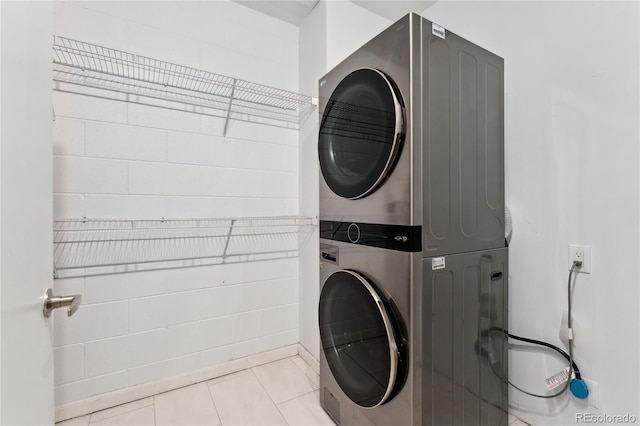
{"x": 332, "y": 405}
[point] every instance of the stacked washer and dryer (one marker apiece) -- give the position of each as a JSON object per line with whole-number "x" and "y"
{"x": 413, "y": 257}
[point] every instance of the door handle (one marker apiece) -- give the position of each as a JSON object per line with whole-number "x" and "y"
{"x": 52, "y": 302}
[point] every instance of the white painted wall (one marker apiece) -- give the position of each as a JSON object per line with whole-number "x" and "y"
{"x": 333, "y": 31}
{"x": 349, "y": 27}
{"x": 571, "y": 84}
{"x": 113, "y": 159}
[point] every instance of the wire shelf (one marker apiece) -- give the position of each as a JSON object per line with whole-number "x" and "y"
{"x": 87, "y": 247}
{"x": 86, "y": 65}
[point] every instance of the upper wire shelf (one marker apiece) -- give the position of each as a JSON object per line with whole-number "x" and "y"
{"x": 85, "y": 65}
{"x": 87, "y": 247}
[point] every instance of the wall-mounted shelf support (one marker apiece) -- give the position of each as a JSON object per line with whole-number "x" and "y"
{"x": 87, "y": 247}
{"x": 226, "y": 122}
{"x": 226, "y": 245}
{"x": 92, "y": 70}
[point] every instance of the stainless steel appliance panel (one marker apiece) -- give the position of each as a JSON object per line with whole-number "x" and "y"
{"x": 463, "y": 145}
{"x": 464, "y": 355}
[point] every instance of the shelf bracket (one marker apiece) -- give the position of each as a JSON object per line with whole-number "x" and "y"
{"x": 226, "y": 123}
{"x": 226, "y": 244}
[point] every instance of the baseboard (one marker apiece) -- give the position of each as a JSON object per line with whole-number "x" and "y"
{"x": 133, "y": 393}
{"x": 308, "y": 358}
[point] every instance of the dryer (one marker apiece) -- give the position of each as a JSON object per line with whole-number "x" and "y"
{"x": 411, "y": 134}
{"x": 365, "y": 123}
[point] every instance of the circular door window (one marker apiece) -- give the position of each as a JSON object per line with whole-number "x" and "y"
{"x": 359, "y": 338}
{"x": 360, "y": 133}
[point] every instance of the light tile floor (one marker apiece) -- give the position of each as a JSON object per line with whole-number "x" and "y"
{"x": 283, "y": 392}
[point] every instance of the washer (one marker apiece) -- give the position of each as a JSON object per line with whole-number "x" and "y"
{"x": 364, "y": 316}
{"x": 396, "y": 355}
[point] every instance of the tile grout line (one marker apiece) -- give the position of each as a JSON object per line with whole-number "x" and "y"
{"x": 124, "y": 412}
{"x": 290, "y": 399}
{"x": 213, "y": 401}
{"x": 304, "y": 372}
{"x": 296, "y": 397}
{"x": 245, "y": 372}
{"x": 268, "y": 394}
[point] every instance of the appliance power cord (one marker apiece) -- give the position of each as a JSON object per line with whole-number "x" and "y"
{"x": 577, "y": 386}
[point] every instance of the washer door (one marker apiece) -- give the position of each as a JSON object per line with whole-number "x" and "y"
{"x": 359, "y": 338}
{"x": 360, "y": 133}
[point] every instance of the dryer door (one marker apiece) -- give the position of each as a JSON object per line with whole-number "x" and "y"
{"x": 360, "y": 133}
{"x": 360, "y": 339}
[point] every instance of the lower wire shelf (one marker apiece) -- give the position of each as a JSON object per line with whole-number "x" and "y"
{"x": 89, "y": 247}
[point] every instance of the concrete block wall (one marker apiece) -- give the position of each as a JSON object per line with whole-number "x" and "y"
{"x": 122, "y": 160}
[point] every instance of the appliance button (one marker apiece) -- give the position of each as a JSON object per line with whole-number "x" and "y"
{"x": 353, "y": 233}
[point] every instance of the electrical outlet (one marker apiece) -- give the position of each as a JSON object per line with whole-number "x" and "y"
{"x": 580, "y": 254}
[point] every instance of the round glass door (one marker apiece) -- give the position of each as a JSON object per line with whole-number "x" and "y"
{"x": 359, "y": 338}
{"x": 360, "y": 133}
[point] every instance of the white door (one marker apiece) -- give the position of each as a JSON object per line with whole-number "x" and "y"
{"x": 26, "y": 338}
